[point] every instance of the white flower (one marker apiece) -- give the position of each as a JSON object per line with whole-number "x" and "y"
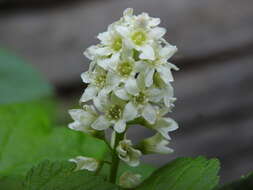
{"x": 138, "y": 39}
{"x": 129, "y": 180}
{"x": 83, "y": 118}
{"x": 141, "y": 33}
{"x": 116, "y": 113}
{"x": 160, "y": 65}
{"x": 166, "y": 91}
{"x": 99, "y": 80}
{"x": 126, "y": 71}
{"x": 85, "y": 163}
{"x": 145, "y": 21}
{"x": 156, "y": 144}
{"x": 143, "y": 101}
{"x": 127, "y": 153}
{"x": 111, "y": 40}
{"x": 111, "y": 46}
{"x": 163, "y": 125}
{"x": 95, "y": 51}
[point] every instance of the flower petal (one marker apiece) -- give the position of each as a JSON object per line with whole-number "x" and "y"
{"x": 164, "y": 126}
{"x": 135, "y": 157}
{"x": 130, "y": 112}
{"x": 165, "y": 74}
{"x": 76, "y": 125}
{"x": 76, "y": 114}
{"x": 154, "y": 22}
{"x": 85, "y": 163}
{"x": 131, "y": 86}
{"x": 86, "y": 77}
{"x": 101, "y": 123}
{"x": 172, "y": 124}
{"x": 104, "y": 63}
{"x": 120, "y": 126}
{"x": 128, "y": 12}
{"x": 103, "y": 51}
{"x": 157, "y": 32}
{"x": 156, "y": 144}
{"x": 155, "y": 94}
{"x": 149, "y": 77}
{"x": 90, "y": 52}
{"x": 149, "y": 114}
{"x": 147, "y": 52}
{"x": 104, "y": 37}
{"x": 101, "y": 101}
{"x": 129, "y": 180}
{"x": 112, "y": 80}
{"x": 168, "y": 51}
{"x": 121, "y": 93}
{"x": 89, "y": 93}
{"x": 123, "y": 31}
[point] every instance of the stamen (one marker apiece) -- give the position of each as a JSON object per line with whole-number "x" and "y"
{"x": 140, "y": 99}
{"x": 125, "y": 68}
{"x": 100, "y": 80}
{"x": 117, "y": 44}
{"x": 139, "y": 37}
{"x": 114, "y": 113}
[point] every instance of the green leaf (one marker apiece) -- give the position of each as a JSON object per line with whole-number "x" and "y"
{"x": 61, "y": 176}
{"x": 184, "y": 174}
{"x": 20, "y": 82}
{"x": 11, "y": 183}
{"x": 27, "y": 137}
{"x": 245, "y": 183}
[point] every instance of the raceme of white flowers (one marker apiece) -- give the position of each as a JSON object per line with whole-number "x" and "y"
{"x": 129, "y": 82}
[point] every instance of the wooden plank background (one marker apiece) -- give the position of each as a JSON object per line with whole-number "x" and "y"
{"x": 214, "y": 86}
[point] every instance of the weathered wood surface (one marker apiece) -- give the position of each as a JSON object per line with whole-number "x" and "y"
{"x": 214, "y": 86}
{"x": 53, "y": 39}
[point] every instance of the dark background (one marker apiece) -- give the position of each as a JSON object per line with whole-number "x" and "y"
{"x": 214, "y": 86}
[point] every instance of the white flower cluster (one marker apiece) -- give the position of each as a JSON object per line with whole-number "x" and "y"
{"x": 129, "y": 81}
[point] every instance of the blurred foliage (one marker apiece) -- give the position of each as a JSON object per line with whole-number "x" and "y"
{"x": 28, "y": 137}
{"x": 11, "y": 183}
{"x": 19, "y": 82}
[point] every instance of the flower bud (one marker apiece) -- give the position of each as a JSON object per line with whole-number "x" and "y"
{"x": 85, "y": 163}
{"x": 127, "y": 153}
{"x": 129, "y": 180}
{"x": 156, "y": 144}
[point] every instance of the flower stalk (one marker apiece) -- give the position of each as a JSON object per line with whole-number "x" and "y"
{"x": 115, "y": 158}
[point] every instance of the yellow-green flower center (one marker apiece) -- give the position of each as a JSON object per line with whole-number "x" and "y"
{"x": 125, "y": 68}
{"x": 114, "y": 112}
{"x": 100, "y": 80}
{"x": 139, "y": 37}
{"x": 140, "y": 99}
{"x": 117, "y": 44}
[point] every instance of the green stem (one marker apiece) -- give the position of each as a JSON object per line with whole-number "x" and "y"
{"x": 115, "y": 158}
{"x": 108, "y": 145}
